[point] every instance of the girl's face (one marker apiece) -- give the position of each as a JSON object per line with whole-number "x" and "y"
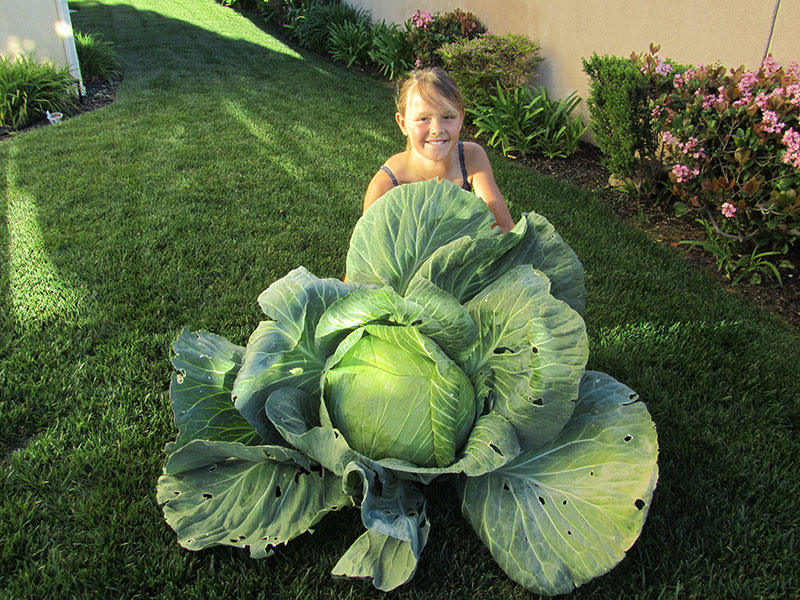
{"x": 432, "y": 129}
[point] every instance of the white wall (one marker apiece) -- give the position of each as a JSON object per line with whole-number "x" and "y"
{"x": 40, "y": 27}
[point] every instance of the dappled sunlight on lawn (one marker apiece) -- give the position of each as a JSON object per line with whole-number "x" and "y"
{"x": 36, "y": 291}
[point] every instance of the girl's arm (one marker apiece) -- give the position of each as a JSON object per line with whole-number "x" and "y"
{"x": 485, "y": 187}
{"x": 378, "y": 186}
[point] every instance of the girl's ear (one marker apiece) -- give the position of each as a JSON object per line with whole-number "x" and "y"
{"x": 401, "y": 122}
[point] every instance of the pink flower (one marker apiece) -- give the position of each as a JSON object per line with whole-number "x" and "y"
{"x": 793, "y": 93}
{"x": 418, "y": 64}
{"x": 663, "y": 68}
{"x": 421, "y": 19}
{"x": 791, "y": 140}
{"x": 684, "y": 173}
{"x": 770, "y": 66}
{"x": 670, "y": 139}
{"x": 771, "y": 122}
{"x": 728, "y": 210}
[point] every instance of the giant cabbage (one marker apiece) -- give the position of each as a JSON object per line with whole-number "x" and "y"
{"x": 452, "y": 349}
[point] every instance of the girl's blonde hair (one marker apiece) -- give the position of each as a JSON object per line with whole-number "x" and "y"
{"x": 434, "y": 86}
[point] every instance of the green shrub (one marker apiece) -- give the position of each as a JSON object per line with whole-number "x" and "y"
{"x": 620, "y": 113}
{"x": 391, "y": 50}
{"x": 350, "y": 42}
{"x": 527, "y": 122}
{"x": 309, "y": 23}
{"x": 478, "y": 65}
{"x": 28, "y": 89}
{"x": 97, "y": 58}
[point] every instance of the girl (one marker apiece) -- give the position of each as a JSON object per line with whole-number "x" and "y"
{"x": 430, "y": 112}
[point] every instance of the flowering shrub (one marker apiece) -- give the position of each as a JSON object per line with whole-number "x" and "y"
{"x": 428, "y": 32}
{"x": 479, "y": 65}
{"x": 732, "y": 142}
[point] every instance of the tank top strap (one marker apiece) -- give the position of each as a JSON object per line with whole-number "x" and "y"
{"x": 466, "y": 185}
{"x": 388, "y": 171}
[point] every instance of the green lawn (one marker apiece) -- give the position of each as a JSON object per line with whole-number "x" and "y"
{"x": 228, "y": 159}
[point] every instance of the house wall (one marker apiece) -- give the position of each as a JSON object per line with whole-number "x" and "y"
{"x": 688, "y": 31}
{"x": 40, "y": 27}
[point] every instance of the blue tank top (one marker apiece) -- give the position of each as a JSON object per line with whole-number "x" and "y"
{"x": 466, "y": 185}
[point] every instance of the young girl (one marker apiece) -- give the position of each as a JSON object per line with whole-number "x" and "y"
{"x": 430, "y": 112}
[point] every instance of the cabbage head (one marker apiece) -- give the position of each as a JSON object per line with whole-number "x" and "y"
{"x": 452, "y": 349}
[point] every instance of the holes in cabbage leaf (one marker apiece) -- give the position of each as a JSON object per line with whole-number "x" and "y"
{"x": 541, "y": 500}
{"x": 278, "y": 491}
{"x": 569, "y": 532}
{"x": 212, "y": 468}
{"x": 537, "y": 401}
{"x": 564, "y": 502}
{"x": 505, "y": 487}
{"x": 639, "y": 504}
{"x": 502, "y": 350}
{"x": 207, "y": 496}
{"x": 534, "y": 349}
{"x": 628, "y": 438}
{"x": 496, "y": 450}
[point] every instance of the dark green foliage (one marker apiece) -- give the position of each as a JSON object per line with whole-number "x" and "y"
{"x": 350, "y": 42}
{"x": 310, "y": 22}
{"x": 245, "y": 4}
{"x": 620, "y": 113}
{"x": 275, "y": 11}
{"x": 97, "y": 57}
{"x": 527, "y": 121}
{"x": 478, "y": 65}
{"x": 391, "y": 50}
{"x": 29, "y": 88}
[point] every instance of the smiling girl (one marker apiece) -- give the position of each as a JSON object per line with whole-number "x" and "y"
{"x": 430, "y": 113}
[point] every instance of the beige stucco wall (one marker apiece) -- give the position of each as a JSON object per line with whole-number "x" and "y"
{"x": 39, "y": 27}
{"x": 689, "y": 31}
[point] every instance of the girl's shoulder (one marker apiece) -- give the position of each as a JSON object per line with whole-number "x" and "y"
{"x": 397, "y": 161}
{"x": 475, "y": 157}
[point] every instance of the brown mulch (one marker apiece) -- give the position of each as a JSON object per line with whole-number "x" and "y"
{"x": 584, "y": 169}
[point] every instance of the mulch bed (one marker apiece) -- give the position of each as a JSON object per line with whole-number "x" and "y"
{"x": 584, "y": 169}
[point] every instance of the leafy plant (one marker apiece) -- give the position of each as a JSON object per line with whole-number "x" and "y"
{"x": 730, "y": 258}
{"x": 478, "y": 65}
{"x": 309, "y": 23}
{"x": 29, "y": 88}
{"x": 97, "y": 57}
{"x": 527, "y": 121}
{"x": 452, "y": 350}
{"x": 391, "y": 50}
{"x": 350, "y": 42}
